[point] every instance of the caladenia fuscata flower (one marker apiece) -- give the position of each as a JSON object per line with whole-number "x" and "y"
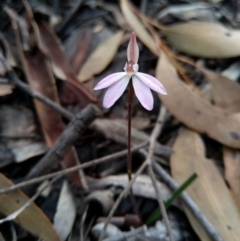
{"x": 142, "y": 83}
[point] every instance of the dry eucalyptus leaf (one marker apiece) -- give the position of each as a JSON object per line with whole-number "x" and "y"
{"x": 225, "y": 92}
{"x": 50, "y": 45}
{"x": 197, "y": 113}
{"x": 138, "y": 27}
{"x": 139, "y": 123}
{"x": 19, "y": 121}
{"x": 142, "y": 186}
{"x": 226, "y": 95}
{"x": 204, "y": 39}
{"x": 32, "y": 218}
{"x": 66, "y": 212}
{"x": 116, "y": 130}
{"x": 209, "y": 191}
{"x": 101, "y": 57}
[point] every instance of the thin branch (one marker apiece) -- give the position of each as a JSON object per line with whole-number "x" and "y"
{"x": 14, "y": 80}
{"x": 160, "y": 202}
{"x": 209, "y": 228}
{"x": 155, "y": 133}
{"x": 71, "y": 169}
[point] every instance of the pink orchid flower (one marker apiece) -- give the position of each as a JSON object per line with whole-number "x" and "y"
{"x": 142, "y": 83}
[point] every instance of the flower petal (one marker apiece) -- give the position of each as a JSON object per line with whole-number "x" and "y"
{"x": 143, "y": 93}
{"x": 135, "y": 68}
{"x": 115, "y": 91}
{"x": 151, "y": 82}
{"x": 133, "y": 50}
{"x": 110, "y": 80}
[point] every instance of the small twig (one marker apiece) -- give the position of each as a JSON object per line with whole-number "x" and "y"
{"x": 209, "y": 228}
{"x": 62, "y": 145}
{"x": 13, "y": 232}
{"x": 14, "y": 80}
{"x": 83, "y": 218}
{"x": 155, "y": 133}
{"x": 160, "y": 202}
{"x": 71, "y": 169}
{"x": 15, "y": 214}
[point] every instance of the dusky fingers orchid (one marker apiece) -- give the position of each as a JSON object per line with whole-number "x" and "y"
{"x": 142, "y": 83}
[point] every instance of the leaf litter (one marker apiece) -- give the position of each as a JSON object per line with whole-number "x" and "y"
{"x": 62, "y": 53}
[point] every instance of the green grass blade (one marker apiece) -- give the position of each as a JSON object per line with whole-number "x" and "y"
{"x": 157, "y": 213}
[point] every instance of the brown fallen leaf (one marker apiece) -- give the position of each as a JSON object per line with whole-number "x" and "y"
{"x": 204, "y": 39}
{"x": 101, "y": 57}
{"x": 209, "y": 191}
{"x": 197, "y": 113}
{"x": 226, "y": 95}
{"x": 50, "y": 45}
{"x": 32, "y": 218}
{"x": 138, "y": 27}
{"x": 225, "y": 92}
{"x": 40, "y": 77}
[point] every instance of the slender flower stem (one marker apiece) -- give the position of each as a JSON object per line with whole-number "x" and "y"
{"x": 129, "y": 157}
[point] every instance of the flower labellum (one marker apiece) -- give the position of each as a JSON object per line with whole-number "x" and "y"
{"x": 142, "y": 83}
